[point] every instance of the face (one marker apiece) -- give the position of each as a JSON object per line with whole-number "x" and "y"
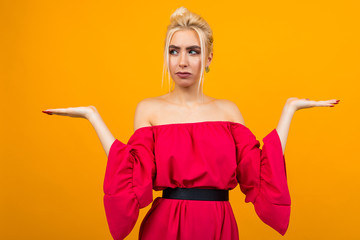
{"x": 185, "y": 56}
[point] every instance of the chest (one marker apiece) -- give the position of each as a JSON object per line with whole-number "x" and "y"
{"x": 171, "y": 114}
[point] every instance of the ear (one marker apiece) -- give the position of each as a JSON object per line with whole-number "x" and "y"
{"x": 210, "y": 57}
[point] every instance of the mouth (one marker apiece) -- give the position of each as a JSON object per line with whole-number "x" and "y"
{"x": 183, "y": 74}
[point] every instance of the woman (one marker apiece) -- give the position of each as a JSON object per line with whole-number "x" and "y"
{"x": 195, "y": 148}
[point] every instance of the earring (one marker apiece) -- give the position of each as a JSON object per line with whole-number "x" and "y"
{"x": 207, "y": 69}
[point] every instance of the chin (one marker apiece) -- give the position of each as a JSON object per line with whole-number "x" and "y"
{"x": 185, "y": 82}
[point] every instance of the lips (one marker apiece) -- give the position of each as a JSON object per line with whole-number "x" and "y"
{"x": 183, "y": 74}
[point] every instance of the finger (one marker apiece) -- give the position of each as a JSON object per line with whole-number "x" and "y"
{"x": 327, "y": 103}
{"x": 332, "y": 101}
{"x": 47, "y": 112}
{"x": 57, "y": 111}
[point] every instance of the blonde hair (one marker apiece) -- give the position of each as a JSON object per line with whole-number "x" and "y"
{"x": 183, "y": 19}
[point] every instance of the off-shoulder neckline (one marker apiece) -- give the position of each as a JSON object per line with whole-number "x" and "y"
{"x": 186, "y": 124}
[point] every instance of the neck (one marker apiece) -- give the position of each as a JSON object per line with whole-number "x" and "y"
{"x": 188, "y": 96}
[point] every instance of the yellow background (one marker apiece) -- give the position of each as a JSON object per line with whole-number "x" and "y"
{"x": 56, "y": 54}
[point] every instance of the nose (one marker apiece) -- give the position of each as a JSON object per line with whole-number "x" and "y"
{"x": 183, "y": 60}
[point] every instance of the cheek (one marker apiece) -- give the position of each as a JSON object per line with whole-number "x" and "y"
{"x": 172, "y": 61}
{"x": 194, "y": 60}
{"x": 196, "y": 63}
{"x": 171, "y": 64}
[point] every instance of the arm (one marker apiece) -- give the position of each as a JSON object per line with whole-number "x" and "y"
{"x": 292, "y": 105}
{"x": 102, "y": 131}
{"x": 141, "y": 119}
{"x": 282, "y": 128}
{"x": 284, "y": 124}
{"x": 90, "y": 113}
{"x": 143, "y": 109}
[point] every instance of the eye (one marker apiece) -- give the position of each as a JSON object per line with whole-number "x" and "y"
{"x": 190, "y": 51}
{"x": 171, "y": 51}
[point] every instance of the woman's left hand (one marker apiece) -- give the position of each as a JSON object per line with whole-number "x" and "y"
{"x": 300, "y": 103}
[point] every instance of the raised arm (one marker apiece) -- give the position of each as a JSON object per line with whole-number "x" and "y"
{"x": 291, "y": 106}
{"x": 104, "y": 134}
{"x": 284, "y": 124}
{"x": 90, "y": 113}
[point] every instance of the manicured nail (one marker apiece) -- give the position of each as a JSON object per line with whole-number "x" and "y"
{"x": 47, "y": 112}
{"x": 332, "y": 105}
{"x": 337, "y": 101}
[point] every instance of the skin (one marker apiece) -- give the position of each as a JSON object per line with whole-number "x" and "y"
{"x": 183, "y": 105}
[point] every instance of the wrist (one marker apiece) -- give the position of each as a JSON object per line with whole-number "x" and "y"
{"x": 91, "y": 113}
{"x": 289, "y": 108}
{"x": 91, "y": 116}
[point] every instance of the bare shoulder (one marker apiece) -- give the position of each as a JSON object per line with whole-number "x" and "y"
{"x": 231, "y": 110}
{"x": 143, "y": 112}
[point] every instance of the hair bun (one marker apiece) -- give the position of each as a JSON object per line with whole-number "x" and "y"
{"x": 179, "y": 12}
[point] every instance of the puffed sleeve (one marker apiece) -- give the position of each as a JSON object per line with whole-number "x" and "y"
{"x": 128, "y": 181}
{"x": 262, "y": 177}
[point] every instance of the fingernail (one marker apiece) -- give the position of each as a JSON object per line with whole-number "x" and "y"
{"x": 337, "y": 101}
{"x": 47, "y": 112}
{"x": 332, "y": 105}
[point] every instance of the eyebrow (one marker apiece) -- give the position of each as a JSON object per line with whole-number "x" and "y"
{"x": 191, "y": 47}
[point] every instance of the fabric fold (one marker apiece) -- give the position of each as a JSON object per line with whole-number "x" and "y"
{"x": 262, "y": 177}
{"x": 128, "y": 181}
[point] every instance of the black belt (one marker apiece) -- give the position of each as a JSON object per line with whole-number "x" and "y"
{"x": 196, "y": 194}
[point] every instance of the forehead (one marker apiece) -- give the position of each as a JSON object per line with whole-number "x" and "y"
{"x": 185, "y": 38}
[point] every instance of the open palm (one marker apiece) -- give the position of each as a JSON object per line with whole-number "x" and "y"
{"x": 300, "y": 103}
{"x": 77, "y": 112}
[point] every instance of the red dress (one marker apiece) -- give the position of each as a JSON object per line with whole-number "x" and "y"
{"x": 209, "y": 154}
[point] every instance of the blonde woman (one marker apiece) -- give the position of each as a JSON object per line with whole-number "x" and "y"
{"x": 195, "y": 149}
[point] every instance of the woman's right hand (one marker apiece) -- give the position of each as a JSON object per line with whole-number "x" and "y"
{"x": 77, "y": 112}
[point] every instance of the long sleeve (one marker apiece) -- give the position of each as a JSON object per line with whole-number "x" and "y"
{"x": 128, "y": 181}
{"x": 262, "y": 177}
